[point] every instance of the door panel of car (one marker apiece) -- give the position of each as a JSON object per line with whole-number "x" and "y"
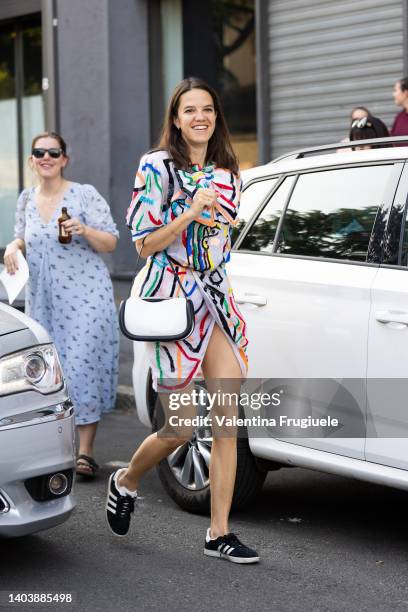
{"x": 307, "y": 315}
{"x": 387, "y": 370}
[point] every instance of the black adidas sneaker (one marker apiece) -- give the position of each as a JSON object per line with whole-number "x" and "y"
{"x": 119, "y": 506}
{"x": 229, "y": 547}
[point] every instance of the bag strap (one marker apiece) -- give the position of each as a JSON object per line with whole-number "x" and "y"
{"x": 170, "y": 262}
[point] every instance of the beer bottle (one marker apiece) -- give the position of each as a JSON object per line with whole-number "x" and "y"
{"x": 63, "y": 236}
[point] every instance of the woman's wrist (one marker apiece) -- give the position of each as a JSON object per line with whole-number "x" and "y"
{"x": 189, "y": 214}
{"x": 17, "y": 243}
{"x": 179, "y": 224}
{"x": 166, "y": 234}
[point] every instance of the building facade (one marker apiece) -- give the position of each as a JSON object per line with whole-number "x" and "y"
{"x": 100, "y": 72}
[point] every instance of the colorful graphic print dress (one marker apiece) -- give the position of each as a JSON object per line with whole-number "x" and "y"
{"x": 70, "y": 293}
{"x": 199, "y": 254}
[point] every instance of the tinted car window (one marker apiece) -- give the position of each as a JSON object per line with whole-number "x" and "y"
{"x": 262, "y": 232}
{"x": 404, "y": 244}
{"x": 331, "y": 213}
{"x": 251, "y": 198}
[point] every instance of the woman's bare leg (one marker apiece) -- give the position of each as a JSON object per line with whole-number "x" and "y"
{"x": 151, "y": 451}
{"x": 86, "y": 435}
{"x": 220, "y": 363}
{"x": 155, "y": 447}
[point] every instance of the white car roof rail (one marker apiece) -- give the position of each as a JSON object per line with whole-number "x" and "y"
{"x": 341, "y": 145}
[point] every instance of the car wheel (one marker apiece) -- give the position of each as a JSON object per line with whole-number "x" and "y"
{"x": 185, "y": 472}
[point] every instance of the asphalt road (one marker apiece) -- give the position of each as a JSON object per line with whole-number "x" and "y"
{"x": 326, "y": 543}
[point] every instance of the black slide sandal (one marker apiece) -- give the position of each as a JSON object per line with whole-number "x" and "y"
{"x": 89, "y": 464}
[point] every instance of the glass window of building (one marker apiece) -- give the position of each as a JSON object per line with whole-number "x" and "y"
{"x": 21, "y": 111}
{"x": 216, "y": 42}
{"x": 219, "y": 46}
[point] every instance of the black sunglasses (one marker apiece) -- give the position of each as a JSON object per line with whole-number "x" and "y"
{"x": 54, "y": 153}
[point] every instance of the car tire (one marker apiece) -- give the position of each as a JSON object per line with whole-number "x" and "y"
{"x": 249, "y": 479}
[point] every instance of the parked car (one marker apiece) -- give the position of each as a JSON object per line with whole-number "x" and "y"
{"x": 36, "y": 429}
{"x": 320, "y": 269}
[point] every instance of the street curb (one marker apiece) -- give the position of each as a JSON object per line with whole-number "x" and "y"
{"x": 125, "y": 399}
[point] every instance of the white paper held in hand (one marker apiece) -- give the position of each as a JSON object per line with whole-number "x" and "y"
{"x": 15, "y": 282}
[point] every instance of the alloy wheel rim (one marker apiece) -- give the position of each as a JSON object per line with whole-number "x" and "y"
{"x": 190, "y": 463}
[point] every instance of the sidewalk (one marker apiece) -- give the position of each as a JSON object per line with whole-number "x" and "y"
{"x": 125, "y": 397}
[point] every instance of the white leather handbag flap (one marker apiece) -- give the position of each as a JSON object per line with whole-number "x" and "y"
{"x": 155, "y": 319}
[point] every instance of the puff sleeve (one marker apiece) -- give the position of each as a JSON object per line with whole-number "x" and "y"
{"x": 145, "y": 213}
{"x": 96, "y": 211}
{"x": 20, "y": 224}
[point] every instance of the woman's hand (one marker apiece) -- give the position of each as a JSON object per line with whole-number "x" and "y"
{"x": 161, "y": 238}
{"x": 101, "y": 241}
{"x": 10, "y": 256}
{"x": 203, "y": 199}
{"x": 74, "y": 226}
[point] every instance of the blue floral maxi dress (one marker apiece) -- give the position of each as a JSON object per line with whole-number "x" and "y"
{"x": 70, "y": 293}
{"x": 199, "y": 254}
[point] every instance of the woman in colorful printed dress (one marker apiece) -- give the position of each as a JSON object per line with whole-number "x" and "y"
{"x": 69, "y": 290}
{"x": 186, "y": 198}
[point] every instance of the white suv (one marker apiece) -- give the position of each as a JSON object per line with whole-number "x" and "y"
{"x": 320, "y": 270}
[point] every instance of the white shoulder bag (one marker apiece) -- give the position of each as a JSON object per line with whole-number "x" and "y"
{"x": 153, "y": 319}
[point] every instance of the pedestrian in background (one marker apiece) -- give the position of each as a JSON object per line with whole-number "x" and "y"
{"x": 400, "y": 125}
{"x": 366, "y": 128}
{"x": 358, "y": 112}
{"x": 69, "y": 290}
{"x": 186, "y": 198}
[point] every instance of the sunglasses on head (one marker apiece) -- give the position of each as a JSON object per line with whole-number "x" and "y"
{"x": 362, "y": 123}
{"x": 53, "y": 152}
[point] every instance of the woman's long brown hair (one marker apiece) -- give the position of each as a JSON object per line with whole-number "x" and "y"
{"x": 219, "y": 149}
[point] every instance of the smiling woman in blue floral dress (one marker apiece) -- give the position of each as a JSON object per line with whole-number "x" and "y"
{"x": 69, "y": 291}
{"x": 186, "y": 198}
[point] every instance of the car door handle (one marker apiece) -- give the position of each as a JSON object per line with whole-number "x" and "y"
{"x": 251, "y": 298}
{"x": 392, "y": 316}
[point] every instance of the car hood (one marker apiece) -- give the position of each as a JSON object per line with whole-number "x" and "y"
{"x": 9, "y": 323}
{"x": 13, "y": 321}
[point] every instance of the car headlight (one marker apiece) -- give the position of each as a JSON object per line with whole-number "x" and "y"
{"x": 35, "y": 369}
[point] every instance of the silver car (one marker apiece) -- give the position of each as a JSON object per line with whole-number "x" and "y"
{"x": 37, "y": 448}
